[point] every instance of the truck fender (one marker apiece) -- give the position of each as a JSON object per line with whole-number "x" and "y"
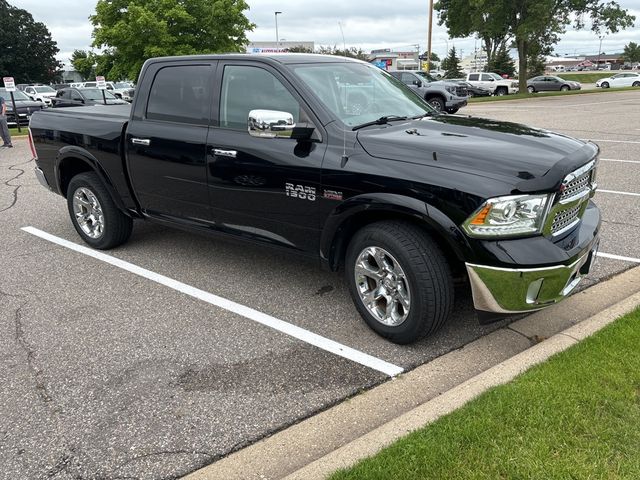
{"x": 360, "y": 210}
{"x": 81, "y": 155}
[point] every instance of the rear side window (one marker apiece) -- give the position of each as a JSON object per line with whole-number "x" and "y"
{"x": 474, "y": 77}
{"x": 181, "y": 94}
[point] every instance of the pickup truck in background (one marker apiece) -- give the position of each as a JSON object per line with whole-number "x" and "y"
{"x": 442, "y": 95}
{"x": 493, "y": 82}
{"x": 336, "y": 160}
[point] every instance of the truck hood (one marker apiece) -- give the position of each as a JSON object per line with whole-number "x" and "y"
{"x": 24, "y": 105}
{"x": 528, "y": 158}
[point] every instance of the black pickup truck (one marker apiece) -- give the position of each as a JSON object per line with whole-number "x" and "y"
{"x": 334, "y": 159}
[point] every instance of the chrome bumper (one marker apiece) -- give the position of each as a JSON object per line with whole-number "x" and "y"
{"x": 504, "y": 290}
{"x": 41, "y": 178}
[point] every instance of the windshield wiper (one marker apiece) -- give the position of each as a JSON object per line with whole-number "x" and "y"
{"x": 380, "y": 121}
{"x": 427, "y": 114}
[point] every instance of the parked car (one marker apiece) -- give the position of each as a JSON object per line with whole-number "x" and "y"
{"x": 547, "y": 83}
{"x": 77, "y": 97}
{"x": 402, "y": 198}
{"x": 40, "y": 93}
{"x": 472, "y": 91}
{"x": 493, "y": 82}
{"x": 442, "y": 95}
{"x": 626, "y": 79}
{"x": 24, "y": 105}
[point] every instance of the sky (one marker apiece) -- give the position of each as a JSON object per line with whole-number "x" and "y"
{"x": 401, "y": 25}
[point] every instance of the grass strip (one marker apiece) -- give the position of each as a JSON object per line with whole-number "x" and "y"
{"x": 14, "y": 132}
{"x": 521, "y": 96}
{"x": 576, "y": 416}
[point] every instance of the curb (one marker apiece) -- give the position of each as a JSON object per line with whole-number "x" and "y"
{"x": 361, "y": 426}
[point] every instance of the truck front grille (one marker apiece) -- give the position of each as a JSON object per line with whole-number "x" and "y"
{"x": 577, "y": 187}
{"x": 462, "y": 91}
{"x": 565, "y": 218}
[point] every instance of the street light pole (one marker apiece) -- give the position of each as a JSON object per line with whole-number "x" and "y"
{"x": 599, "y": 51}
{"x": 429, "y": 36}
{"x": 277, "y": 35}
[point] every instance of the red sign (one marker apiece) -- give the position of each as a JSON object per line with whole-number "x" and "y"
{"x": 101, "y": 83}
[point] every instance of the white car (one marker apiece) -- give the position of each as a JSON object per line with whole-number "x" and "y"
{"x": 119, "y": 89}
{"x": 40, "y": 93}
{"x": 626, "y": 79}
{"x": 493, "y": 83}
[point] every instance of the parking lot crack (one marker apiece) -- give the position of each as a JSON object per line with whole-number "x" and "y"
{"x": 35, "y": 371}
{"x": 624, "y": 224}
{"x": 8, "y": 183}
{"x": 535, "y": 339}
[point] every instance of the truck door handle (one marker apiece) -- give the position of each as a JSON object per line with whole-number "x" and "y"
{"x": 225, "y": 153}
{"x": 141, "y": 141}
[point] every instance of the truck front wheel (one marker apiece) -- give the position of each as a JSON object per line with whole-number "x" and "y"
{"x": 437, "y": 103}
{"x": 502, "y": 91}
{"x": 399, "y": 280}
{"x": 94, "y": 214}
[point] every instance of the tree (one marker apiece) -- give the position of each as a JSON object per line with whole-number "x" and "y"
{"x": 351, "y": 52}
{"x": 502, "y": 63}
{"x": 27, "y": 51}
{"x": 135, "y": 30}
{"x": 533, "y": 24}
{"x": 632, "y": 52}
{"x": 451, "y": 65}
{"x": 84, "y": 63}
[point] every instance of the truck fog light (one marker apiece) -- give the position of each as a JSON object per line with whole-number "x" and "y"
{"x": 534, "y": 291}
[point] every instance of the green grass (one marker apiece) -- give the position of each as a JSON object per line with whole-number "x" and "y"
{"x": 14, "y": 132}
{"x": 576, "y": 416}
{"x": 587, "y": 77}
{"x": 521, "y": 96}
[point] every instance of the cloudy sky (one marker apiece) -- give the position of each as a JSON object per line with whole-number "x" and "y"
{"x": 381, "y": 24}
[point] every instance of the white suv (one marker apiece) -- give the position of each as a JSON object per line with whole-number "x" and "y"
{"x": 40, "y": 93}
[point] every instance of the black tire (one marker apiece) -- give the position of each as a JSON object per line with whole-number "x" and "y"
{"x": 531, "y": 89}
{"x": 117, "y": 226}
{"x": 471, "y": 94}
{"x": 452, "y": 110}
{"x": 502, "y": 91}
{"x": 565, "y": 88}
{"x": 636, "y": 84}
{"x": 605, "y": 85}
{"x": 427, "y": 274}
{"x": 437, "y": 103}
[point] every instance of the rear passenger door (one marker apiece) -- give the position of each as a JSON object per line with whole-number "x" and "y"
{"x": 166, "y": 141}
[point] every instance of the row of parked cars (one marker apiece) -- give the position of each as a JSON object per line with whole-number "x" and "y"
{"x": 30, "y": 98}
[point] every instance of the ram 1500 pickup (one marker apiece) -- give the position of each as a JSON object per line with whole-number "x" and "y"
{"x": 337, "y": 160}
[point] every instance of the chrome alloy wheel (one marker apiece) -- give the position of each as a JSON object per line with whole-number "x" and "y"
{"x": 382, "y": 286}
{"x": 88, "y": 212}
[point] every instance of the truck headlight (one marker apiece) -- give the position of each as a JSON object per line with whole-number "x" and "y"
{"x": 514, "y": 215}
{"x": 451, "y": 89}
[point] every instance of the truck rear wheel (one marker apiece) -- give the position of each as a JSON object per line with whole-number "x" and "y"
{"x": 399, "y": 280}
{"x": 94, "y": 214}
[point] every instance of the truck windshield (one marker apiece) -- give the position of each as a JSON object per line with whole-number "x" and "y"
{"x": 496, "y": 76}
{"x": 357, "y": 93}
{"x": 44, "y": 89}
{"x": 425, "y": 75}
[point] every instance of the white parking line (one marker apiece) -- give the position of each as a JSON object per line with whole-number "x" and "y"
{"x": 632, "y": 194}
{"x": 610, "y": 141}
{"x": 259, "y": 317}
{"x": 618, "y": 257}
{"x": 621, "y": 161}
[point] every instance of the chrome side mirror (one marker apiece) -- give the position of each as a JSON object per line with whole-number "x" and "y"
{"x": 270, "y": 124}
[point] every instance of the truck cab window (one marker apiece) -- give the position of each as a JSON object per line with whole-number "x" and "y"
{"x": 246, "y": 88}
{"x": 181, "y": 94}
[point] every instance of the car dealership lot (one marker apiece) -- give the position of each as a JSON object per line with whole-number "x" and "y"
{"x": 112, "y": 371}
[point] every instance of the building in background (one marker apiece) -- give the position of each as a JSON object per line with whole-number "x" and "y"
{"x": 389, "y": 60}
{"x": 69, "y": 75}
{"x": 476, "y": 62}
{"x": 277, "y": 47}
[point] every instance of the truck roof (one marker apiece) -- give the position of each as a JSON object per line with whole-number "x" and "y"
{"x": 283, "y": 58}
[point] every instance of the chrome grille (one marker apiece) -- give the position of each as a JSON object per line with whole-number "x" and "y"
{"x": 577, "y": 185}
{"x": 462, "y": 91}
{"x": 565, "y": 218}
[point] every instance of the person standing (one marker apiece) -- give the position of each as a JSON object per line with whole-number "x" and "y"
{"x": 4, "y": 128}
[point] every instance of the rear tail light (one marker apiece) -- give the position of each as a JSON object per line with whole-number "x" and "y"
{"x": 32, "y": 146}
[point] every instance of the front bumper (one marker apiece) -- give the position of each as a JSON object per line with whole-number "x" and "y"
{"x": 507, "y": 291}
{"x": 454, "y": 101}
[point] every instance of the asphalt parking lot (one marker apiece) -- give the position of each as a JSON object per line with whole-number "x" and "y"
{"x": 175, "y": 349}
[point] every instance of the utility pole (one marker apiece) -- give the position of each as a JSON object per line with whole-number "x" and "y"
{"x": 429, "y": 36}
{"x": 277, "y": 35}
